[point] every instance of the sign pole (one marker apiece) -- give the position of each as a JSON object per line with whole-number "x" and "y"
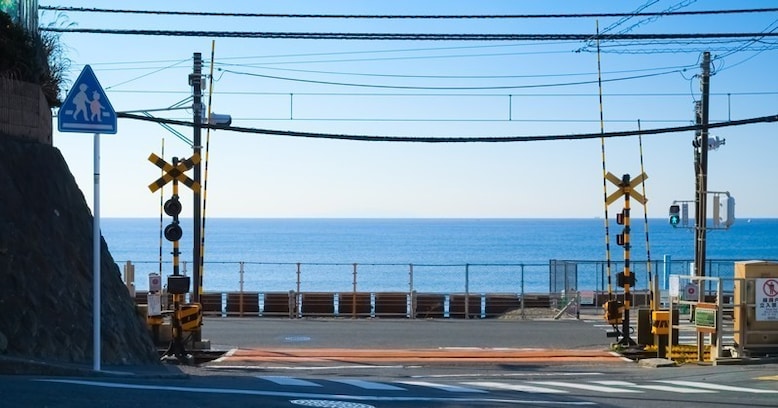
{"x": 96, "y": 312}
{"x": 86, "y": 109}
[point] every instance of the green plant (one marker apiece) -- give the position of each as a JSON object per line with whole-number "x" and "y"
{"x": 32, "y": 57}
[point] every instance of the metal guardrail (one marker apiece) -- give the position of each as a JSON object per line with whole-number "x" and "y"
{"x": 517, "y": 278}
{"x": 412, "y": 305}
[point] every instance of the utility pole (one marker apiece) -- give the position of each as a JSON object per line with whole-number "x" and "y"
{"x": 196, "y": 81}
{"x": 701, "y": 167}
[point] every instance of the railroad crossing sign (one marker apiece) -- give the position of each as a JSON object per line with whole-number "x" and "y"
{"x": 626, "y": 186}
{"x": 174, "y": 172}
{"x": 86, "y": 108}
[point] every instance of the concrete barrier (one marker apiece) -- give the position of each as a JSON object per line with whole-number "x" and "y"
{"x": 354, "y": 304}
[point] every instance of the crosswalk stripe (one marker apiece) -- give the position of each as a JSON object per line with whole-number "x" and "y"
{"x": 515, "y": 387}
{"x": 655, "y": 387}
{"x": 281, "y": 380}
{"x": 587, "y": 387}
{"x": 718, "y": 387}
{"x": 444, "y": 387}
{"x": 369, "y": 385}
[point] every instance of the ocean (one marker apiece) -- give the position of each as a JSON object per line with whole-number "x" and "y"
{"x": 426, "y": 255}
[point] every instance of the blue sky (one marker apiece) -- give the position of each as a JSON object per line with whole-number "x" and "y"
{"x": 469, "y": 89}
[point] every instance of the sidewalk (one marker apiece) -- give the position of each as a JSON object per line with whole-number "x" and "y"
{"x": 248, "y": 357}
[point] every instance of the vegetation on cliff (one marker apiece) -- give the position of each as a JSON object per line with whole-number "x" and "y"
{"x": 32, "y": 57}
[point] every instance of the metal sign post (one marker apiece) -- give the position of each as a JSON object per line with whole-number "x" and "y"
{"x": 86, "y": 109}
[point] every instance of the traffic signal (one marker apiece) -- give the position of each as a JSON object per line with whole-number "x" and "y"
{"x": 675, "y": 215}
{"x": 173, "y": 230}
{"x": 729, "y": 203}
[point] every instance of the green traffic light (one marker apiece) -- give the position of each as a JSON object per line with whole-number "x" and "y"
{"x": 675, "y": 215}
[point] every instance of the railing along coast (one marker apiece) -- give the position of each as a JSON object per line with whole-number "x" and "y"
{"x": 477, "y": 290}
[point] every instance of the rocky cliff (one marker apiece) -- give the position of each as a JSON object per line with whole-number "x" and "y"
{"x": 46, "y": 267}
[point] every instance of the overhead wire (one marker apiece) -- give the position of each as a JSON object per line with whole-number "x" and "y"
{"x": 402, "y": 16}
{"x": 451, "y": 88}
{"x": 480, "y": 139}
{"x": 365, "y": 74}
{"x": 745, "y": 46}
{"x": 398, "y": 36}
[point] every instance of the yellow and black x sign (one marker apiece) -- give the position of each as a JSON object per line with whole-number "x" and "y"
{"x": 626, "y": 186}
{"x": 174, "y": 172}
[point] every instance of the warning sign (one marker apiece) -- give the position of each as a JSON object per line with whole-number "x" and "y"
{"x": 690, "y": 292}
{"x": 767, "y": 299}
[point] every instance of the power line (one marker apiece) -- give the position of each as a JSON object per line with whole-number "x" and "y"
{"x": 404, "y": 36}
{"x": 452, "y": 88}
{"x": 407, "y": 16}
{"x": 410, "y": 139}
{"x": 367, "y": 74}
{"x": 431, "y": 94}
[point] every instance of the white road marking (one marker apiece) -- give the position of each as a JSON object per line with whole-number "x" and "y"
{"x": 515, "y": 387}
{"x": 527, "y": 374}
{"x": 295, "y": 382}
{"x": 655, "y": 387}
{"x": 369, "y": 385}
{"x": 339, "y": 397}
{"x": 587, "y": 387}
{"x": 717, "y": 387}
{"x": 444, "y": 387}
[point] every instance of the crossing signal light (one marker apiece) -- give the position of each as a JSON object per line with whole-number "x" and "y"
{"x": 173, "y": 230}
{"x": 173, "y": 207}
{"x": 675, "y": 215}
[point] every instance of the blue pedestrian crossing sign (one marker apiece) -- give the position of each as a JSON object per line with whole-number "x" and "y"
{"x": 86, "y": 108}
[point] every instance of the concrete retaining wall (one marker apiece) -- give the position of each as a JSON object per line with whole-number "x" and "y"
{"x": 24, "y": 112}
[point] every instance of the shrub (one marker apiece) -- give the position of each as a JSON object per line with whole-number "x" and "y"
{"x": 32, "y": 57}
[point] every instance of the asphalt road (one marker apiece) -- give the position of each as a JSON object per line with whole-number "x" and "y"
{"x": 378, "y": 384}
{"x": 402, "y": 333}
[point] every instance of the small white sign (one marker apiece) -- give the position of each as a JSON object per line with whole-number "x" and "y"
{"x": 767, "y": 299}
{"x": 675, "y": 286}
{"x": 154, "y": 303}
{"x": 155, "y": 282}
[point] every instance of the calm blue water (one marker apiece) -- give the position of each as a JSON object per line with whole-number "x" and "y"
{"x": 517, "y": 251}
